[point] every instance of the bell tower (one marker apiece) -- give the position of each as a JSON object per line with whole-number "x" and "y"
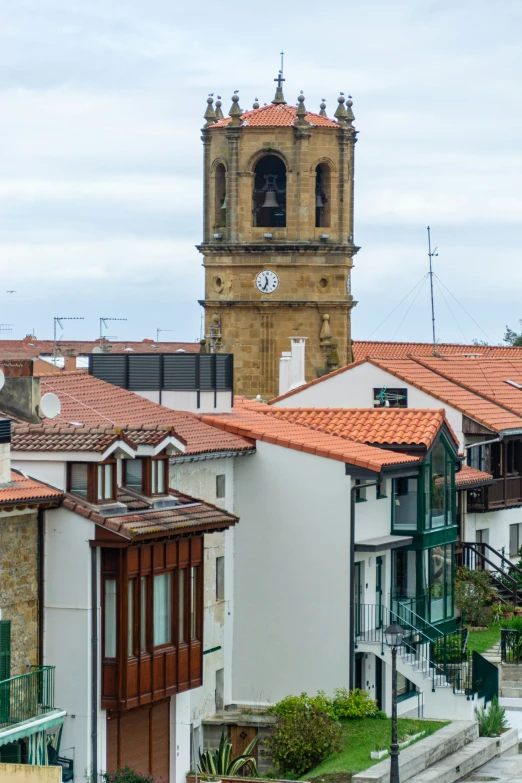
{"x": 278, "y": 238}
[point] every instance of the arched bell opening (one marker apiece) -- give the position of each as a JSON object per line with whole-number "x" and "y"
{"x": 322, "y": 196}
{"x": 269, "y": 196}
{"x": 220, "y": 196}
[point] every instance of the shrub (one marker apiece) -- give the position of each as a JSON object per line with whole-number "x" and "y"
{"x": 473, "y": 592}
{"x": 127, "y": 775}
{"x": 302, "y": 737}
{"x": 452, "y": 652}
{"x": 353, "y": 704}
{"x": 216, "y": 763}
{"x": 290, "y": 704}
{"x": 492, "y": 720}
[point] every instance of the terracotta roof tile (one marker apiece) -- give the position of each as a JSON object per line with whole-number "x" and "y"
{"x": 250, "y": 422}
{"x": 92, "y": 403}
{"x": 30, "y": 349}
{"x": 390, "y": 426}
{"x": 24, "y": 489}
{"x": 49, "y": 437}
{"x": 147, "y": 521}
{"x": 471, "y": 477}
{"x": 363, "y": 349}
{"x": 276, "y": 115}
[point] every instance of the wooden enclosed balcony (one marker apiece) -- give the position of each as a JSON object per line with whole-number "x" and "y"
{"x": 504, "y": 492}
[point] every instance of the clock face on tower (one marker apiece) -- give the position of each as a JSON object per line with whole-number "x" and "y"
{"x": 267, "y": 281}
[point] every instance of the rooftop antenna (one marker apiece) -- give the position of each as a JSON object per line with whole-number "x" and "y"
{"x": 5, "y": 329}
{"x": 58, "y": 321}
{"x": 432, "y": 254}
{"x": 159, "y": 331}
{"x": 103, "y": 323}
{"x": 282, "y": 58}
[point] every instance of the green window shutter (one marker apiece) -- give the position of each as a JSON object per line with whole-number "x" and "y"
{"x": 11, "y": 753}
{"x": 5, "y": 649}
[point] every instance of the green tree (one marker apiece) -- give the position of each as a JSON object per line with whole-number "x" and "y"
{"x": 511, "y": 337}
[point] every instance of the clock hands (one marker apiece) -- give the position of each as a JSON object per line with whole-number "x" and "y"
{"x": 265, "y": 287}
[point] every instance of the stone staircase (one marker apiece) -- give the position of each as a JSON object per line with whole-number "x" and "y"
{"x": 444, "y": 757}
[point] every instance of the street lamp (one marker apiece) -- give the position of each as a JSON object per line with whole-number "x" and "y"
{"x": 394, "y": 635}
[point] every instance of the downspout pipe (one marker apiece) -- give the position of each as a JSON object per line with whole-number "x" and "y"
{"x": 352, "y": 574}
{"x": 94, "y": 662}
{"x": 41, "y": 585}
{"x": 483, "y": 443}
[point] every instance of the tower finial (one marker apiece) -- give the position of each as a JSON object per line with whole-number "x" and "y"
{"x": 235, "y": 112}
{"x": 218, "y": 110}
{"x": 340, "y": 112}
{"x": 301, "y": 111}
{"x": 210, "y": 115}
{"x": 322, "y": 106}
{"x": 349, "y": 113}
{"x": 279, "y": 97}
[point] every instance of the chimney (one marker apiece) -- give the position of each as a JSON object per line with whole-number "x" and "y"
{"x": 285, "y": 363}
{"x": 5, "y": 451}
{"x": 297, "y": 365}
{"x": 20, "y": 398}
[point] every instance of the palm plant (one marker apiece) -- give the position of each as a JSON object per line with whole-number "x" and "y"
{"x": 217, "y": 763}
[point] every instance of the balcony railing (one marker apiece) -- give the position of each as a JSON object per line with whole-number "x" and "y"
{"x": 26, "y": 696}
{"x": 504, "y": 492}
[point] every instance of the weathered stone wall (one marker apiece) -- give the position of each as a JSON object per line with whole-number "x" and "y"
{"x": 314, "y": 275}
{"x": 19, "y": 586}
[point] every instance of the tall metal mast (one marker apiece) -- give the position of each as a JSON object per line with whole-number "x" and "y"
{"x": 431, "y": 255}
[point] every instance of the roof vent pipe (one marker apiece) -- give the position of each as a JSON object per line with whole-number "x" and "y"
{"x": 297, "y": 366}
{"x": 285, "y": 363}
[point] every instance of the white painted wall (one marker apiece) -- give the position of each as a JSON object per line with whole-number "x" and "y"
{"x": 51, "y": 472}
{"x": 354, "y": 389}
{"x": 182, "y": 735}
{"x": 67, "y": 630}
{"x": 188, "y": 401}
{"x": 292, "y": 581}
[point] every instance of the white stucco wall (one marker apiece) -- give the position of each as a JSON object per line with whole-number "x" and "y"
{"x": 354, "y": 389}
{"x": 292, "y": 581}
{"x": 51, "y": 472}
{"x": 67, "y": 632}
{"x": 221, "y": 402}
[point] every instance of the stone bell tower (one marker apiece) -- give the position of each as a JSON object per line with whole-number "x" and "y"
{"x": 278, "y": 237}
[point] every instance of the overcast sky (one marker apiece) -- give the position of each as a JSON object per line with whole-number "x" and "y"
{"x": 100, "y": 153}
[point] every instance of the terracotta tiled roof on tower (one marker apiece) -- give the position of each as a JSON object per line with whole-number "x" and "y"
{"x": 277, "y": 115}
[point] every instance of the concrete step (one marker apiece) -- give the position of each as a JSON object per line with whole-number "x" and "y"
{"x": 511, "y": 693}
{"x": 417, "y": 758}
{"x": 460, "y": 763}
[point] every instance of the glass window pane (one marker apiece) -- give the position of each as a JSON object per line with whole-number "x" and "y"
{"x": 161, "y": 475}
{"x": 438, "y": 485}
{"x": 78, "y": 479}
{"x": 110, "y": 618}
{"x": 162, "y": 609}
{"x": 100, "y": 481}
{"x": 107, "y": 489}
{"x": 143, "y": 613}
{"x": 193, "y": 602}
{"x": 181, "y": 605}
{"x": 133, "y": 474}
{"x": 437, "y": 561}
{"x": 513, "y": 540}
{"x": 220, "y": 486}
{"x": 154, "y": 477}
{"x": 404, "y": 574}
{"x": 449, "y": 581}
{"x": 130, "y": 616}
{"x": 405, "y": 503}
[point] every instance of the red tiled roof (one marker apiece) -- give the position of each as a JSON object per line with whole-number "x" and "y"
{"x": 190, "y": 514}
{"x": 399, "y": 426}
{"x": 22, "y": 489}
{"x": 363, "y": 349}
{"x": 276, "y": 115}
{"x": 31, "y": 348}
{"x": 470, "y": 477}
{"x": 249, "y": 422}
{"x": 59, "y": 437}
{"x": 91, "y": 402}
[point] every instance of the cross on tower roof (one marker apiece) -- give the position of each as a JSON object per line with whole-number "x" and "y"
{"x": 279, "y": 97}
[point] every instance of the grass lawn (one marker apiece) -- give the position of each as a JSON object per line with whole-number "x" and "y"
{"x": 480, "y": 641}
{"x": 360, "y": 737}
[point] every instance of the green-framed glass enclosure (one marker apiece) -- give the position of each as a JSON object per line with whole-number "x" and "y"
{"x": 424, "y": 507}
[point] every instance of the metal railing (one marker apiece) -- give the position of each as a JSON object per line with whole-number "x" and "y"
{"x": 443, "y": 658}
{"x": 27, "y": 696}
{"x": 505, "y": 575}
{"x": 510, "y": 645}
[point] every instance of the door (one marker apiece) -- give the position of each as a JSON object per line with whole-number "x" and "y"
{"x": 359, "y": 670}
{"x": 140, "y": 738}
{"x": 357, "y": 594}
{"x": 378, "y": 681}
{"x": 378, "y": 591}
{"x": 240, "y": 737}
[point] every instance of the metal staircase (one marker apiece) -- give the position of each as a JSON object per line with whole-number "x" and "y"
{"x": 483, "y": 557}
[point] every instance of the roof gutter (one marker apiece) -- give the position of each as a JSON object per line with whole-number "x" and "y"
{"x": 485, "y": 442}
{"x": 211, "y": 455}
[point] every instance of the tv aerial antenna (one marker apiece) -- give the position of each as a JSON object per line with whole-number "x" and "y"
{"x": 6, "y": 329}
{"x": 103, "y": 324}
{"x": 159, "y": 331}
{"x": 431, "y": 255}
{"x": 58, "y": 322}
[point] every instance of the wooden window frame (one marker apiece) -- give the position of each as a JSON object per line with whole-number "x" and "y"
{"x": 114, "y": 482}
{"x": 92, "y": 493}
{"x": 148, "y": 470}
{"x": 124, "y": 474}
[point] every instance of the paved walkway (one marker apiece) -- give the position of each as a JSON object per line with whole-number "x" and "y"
{"x": 505, "y": 769}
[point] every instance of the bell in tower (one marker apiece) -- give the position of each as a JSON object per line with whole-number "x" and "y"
{"x": 278, "y": 235}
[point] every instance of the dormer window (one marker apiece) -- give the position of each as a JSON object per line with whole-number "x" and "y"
{"x": 147, "y": 475}
{"x": 95, "y": 483}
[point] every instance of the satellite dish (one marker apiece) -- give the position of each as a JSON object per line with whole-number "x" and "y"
{"x": 2, "y": 379}
{"x": 50, "y": 406}
{"x": 97, "y": 349}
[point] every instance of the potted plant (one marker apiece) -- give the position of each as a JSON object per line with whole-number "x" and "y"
{"x": 518, "y": 610}
{"x": 380, "y": 749}
{"x": 508, "y": 610}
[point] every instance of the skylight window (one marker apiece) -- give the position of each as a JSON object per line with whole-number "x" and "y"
{"x": 515, "y": 384}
